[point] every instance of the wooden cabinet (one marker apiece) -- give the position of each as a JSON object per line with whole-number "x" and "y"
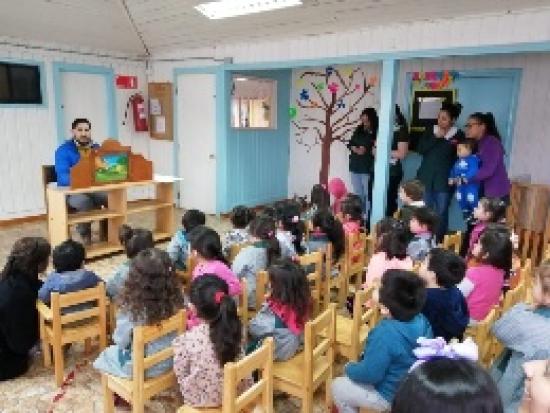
{"x": 117, "y": 211}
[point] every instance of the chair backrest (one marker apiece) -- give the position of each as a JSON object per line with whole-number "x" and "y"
{"x": 356, "y": 245}
{"x": 95, "y": 312}
{"x": 315, "y": 277}
{"x": 242, "y": 308}
{"x": 234, "y": 372}
{"x": 48, "y": 176}
{"x": 481, "y": 333}
{"x": 363, "y": 314}
{"x": 187, "y": 275}
{"x": 144, "y": 335}
{"x": 514, "y": 296}
{"x": 262, "y": 278}
{"x": 319, "y": 339}
{"x": 531, "y": 244}
{"x": 453, "y": 242}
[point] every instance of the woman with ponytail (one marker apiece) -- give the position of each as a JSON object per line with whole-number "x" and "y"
{"x": 201, "y": 353}
{"x": 438, "y": 149}
{"x": 19, "y": 285}
{"x": 492, "y": 173}
{"x": 258, "y": 256}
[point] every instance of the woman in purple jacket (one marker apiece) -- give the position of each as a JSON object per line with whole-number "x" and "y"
{"x": 492, "y": 173}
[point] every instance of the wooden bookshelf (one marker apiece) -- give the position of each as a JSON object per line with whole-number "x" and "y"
{"x": 116, "y": 213}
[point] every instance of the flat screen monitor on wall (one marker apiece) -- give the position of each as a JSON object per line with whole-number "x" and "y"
{"x": 20, "y": 84}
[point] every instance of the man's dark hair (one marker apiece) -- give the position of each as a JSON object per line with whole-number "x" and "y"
{"x": 80, "y": 120}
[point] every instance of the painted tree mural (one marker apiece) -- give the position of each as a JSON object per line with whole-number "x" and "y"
{"x": 329, "y": 105}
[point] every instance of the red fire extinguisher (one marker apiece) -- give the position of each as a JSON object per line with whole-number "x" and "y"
{"x": 139, "y": 112}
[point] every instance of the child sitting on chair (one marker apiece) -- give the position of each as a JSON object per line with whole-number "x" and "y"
{"x": 482, "y": 285}
{"x": 240, "y": 217}
{"x": 150, "y": 295}
{"x": 290, "y": 229}
{"x": 258, "y": 256}
{"x": 445, "y": 306}
{"x": 411, "y": 194}
{"x": 319, "y": 199}
{"x": 285, "y": 311}
{"x": 327, "y": 229}
{"x": 372, "y": 382}
{"x": 464, "y": 169}
{"x": 422, "y": 226}
{"x": 352, "y": 211}
{"x": 68, "y": 275}
{"x": 134, "y": 241}
{"x": 524, "y": 331}
{"x": 201, "y": 353}
{"x": 391, "y": 254}
{"x": 178, "y": 248}
{"x": 487, "y": 211}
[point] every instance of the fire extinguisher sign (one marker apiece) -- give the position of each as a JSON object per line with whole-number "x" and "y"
{"x": 126, "y": 82}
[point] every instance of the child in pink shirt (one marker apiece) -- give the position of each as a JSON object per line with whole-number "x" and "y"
{"x": 352, "y": 211}
{"x": 391, "y": 254}
{"x": 488, "y": 210}
{"x": 207, "y": 247}
{"x": 482, "y": 285}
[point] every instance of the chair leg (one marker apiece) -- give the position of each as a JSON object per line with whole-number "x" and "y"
{"x": 328, "y": 394}
{"x": 58, "y": 363}
{"x": 46, "y": 353}
{"x": 307, "y": 401}
{"x": 108, "y": 396}
{"x": 87, "y": 345}
{"x": 138, "y": 405}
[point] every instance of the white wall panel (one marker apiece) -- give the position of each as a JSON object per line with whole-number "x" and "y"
{"x": 29, "y": 136}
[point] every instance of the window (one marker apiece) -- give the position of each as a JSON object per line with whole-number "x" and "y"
{"x": 20, "y": 84}
{"x": 253, "y": 103}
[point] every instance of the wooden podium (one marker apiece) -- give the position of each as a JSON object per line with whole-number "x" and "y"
{"x": 136, "y": 171}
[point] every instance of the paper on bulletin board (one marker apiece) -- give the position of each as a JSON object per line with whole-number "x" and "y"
{"x": 154, "y": 107}
{"x": 159, "y": 124}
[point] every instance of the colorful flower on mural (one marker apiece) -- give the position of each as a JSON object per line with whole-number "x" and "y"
{"x": 329, "y": 70}
{"x": 333, "y": 87}
{"x": 320, "y": 86}
{"x": 304, "y": 94}
{"x": 292, "y": 112}
{"x": 340, "y": 104}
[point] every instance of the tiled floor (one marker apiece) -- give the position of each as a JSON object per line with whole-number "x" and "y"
{"x": 36, "y": 390}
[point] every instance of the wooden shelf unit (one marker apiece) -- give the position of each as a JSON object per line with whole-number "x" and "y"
{"x": 116, "y": 213}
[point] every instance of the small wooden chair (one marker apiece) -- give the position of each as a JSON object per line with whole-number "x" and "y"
{"x": 356, "y": 244}
{"x": 187, "y": 276}
{"x": 514, "y": 296}
{"x": 262, "y": 279}
{"x": 57, "y": 329}
{"x": 453, "y": 242}
{"x": 242, "y": 308}
{"x": 483, "y": 337}
{"x": 338, "y": 282}
{"x": 316, "y": 279}
{"x": 351, "y": 333}
{"x": 139, "y": 389}
{"x": 257, "y": 398}
{"x": 304, "y": 373}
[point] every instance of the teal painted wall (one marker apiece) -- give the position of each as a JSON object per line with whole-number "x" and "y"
{"x": 257, "y": 161}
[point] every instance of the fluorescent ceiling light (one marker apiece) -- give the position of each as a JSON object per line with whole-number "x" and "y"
{"x": 231, "y": 8}
{"x": 241, "y": 79}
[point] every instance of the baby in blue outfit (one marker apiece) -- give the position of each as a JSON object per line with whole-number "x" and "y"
{"x": 464, "y": 169}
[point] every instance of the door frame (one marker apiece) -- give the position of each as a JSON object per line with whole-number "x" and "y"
{"x": 108, "y": 73}
{"x": 513, "y": 73}
{"x": 222, "y": 117}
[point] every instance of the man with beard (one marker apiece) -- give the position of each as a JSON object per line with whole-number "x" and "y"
{"x": 67, "y": 156}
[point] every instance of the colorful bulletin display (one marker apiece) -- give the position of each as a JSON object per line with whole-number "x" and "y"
{"x": 327, "y": 105}
{"x": 435, "y": 80}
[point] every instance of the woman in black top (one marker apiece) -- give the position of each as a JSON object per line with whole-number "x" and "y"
{"x": 438, "y": 149}
{"x": 361, "y": 158}
{"x": 19, "y": 285}
{"x": 399, "y": 149}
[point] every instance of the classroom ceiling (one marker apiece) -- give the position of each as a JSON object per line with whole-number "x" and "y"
{"x": 175, "y": 24}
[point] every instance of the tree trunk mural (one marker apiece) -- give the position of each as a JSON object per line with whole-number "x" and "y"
{"x": 327, "y": 109}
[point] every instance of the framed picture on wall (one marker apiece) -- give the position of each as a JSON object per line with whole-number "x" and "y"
{"x": 426, "y": 105}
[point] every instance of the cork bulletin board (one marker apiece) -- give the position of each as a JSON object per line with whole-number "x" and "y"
{"x": 161, "y": 111}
